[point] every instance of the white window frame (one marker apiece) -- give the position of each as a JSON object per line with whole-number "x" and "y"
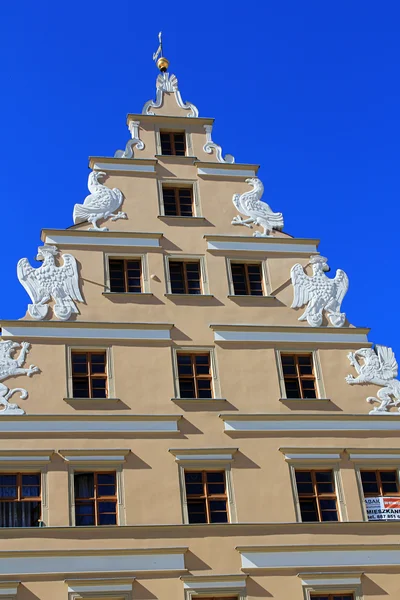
{"x": 110, "y": 377}
{"x": 188, "y": 141}
{"x": 185, "y": 258}
{"x": 93, "y": 467}
{"x": 316, "y": 465}
{"x": 369, "y": 466}
{"x": 176, "y": 183}
{"x": 317, "y": 372}
{"x": 207, "y": 465}
{"x": 215, "y": 381}
{"x": 20, "y": 467}
{"x": 264, "y": 275}
{"x": 144, "y": 268}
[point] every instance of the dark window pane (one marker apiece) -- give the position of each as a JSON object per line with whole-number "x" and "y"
{"x": 84, "y": 485}
{"x": 370, "y": 482}
{"x": 80, "y": 388}
{"x": 218, "y": 517}
{"x": 308, "y": 509}
{"x": 329, "y": 515}
{"x": 79, "y": 363}
{"x": 193, "y": 477}
{"x": 166, "y": 147}
{"x": 186, "y": 388}
{"x": 292, "y": 388}
{"x": 179, "y": 143}
{"x": 107, "y": 519}
{"x": 215, "y": 477}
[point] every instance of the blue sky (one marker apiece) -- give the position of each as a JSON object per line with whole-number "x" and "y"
{"x": 317, "y": 84}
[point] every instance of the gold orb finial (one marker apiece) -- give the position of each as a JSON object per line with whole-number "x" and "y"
{"x": 163, "y": 64}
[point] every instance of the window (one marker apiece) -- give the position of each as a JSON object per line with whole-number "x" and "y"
{"x": 125, "y": 275}
{"x": 247, "y": 279}
{"x": 298, "y": 374}
{"x": 173, "y": 143}
{"x": 89, "y": 374}
{"x": 194, "y": 373}
{"x": 20, "y": 499}
{"x": 317, "y": 495}
{"x": 332, "y": 596}
{"x": 95, "y": 498}
{"x": 178, "y": 202}
{"x": 185, "y": 277}
{"x": 206, "y": 496}
{"x": 380, "y": 483}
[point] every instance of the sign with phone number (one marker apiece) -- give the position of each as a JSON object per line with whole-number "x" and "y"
{"x": 383, "y": 508}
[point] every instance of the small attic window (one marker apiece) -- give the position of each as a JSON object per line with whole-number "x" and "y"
{"x": 173, "y": 143}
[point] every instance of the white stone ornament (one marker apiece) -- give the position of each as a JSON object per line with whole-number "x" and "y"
{"x": 379, "y": 367}
{"x": 49, "y": 281}
{"x": 135, "y": 142}
{"x": 319, "y": 292}
{"x": 258, "y": 213}
{"x": 210, "y": 147}
{"x": 101, "y": 203}
{"x": 166, "y": 83}
{"x": 12, "y": 367}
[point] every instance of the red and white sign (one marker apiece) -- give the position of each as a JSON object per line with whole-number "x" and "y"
{"x": 383, "y": 508}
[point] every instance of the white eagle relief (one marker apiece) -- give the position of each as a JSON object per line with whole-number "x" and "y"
{"x": 11, "y": 366}
{"x": 49, "y": 281}
{"x": 101, "y": 203}
{"x": 379, "y": 367}
{"x": 258, "y": 213}
{"x": 319, "y": 292}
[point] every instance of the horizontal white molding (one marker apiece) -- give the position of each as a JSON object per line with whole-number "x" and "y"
{"x": 95, "y": 458}
{"x": 203, "y": 457}
{"x": 99, "y": 587}
{"x": 292, "y": 558}
{"x": 377, "y": 456}
{"x": 332, "y": 581}
{"x": 25, "y": 458}
{"x": 10, "y": 588}
{"x": 247, "y": 246}
{"x": 307, "y": 336}
{"x": 88, "y": 424}
{"x": 39, "y": 563}
{"x": 311, "y": 456}
{"x": 115, "y": 166}
{"x": 226, "y": 172}
{"x": 103, "y": 240}
{"x": 86, "y": 333}
{"x": 212, "y": 585}
{"x": 265, "y": 423}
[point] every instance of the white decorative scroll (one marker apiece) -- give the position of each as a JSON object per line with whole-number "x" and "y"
{"x": 319, "y": 292}
{"x": 49, "y": 281}
{"x": 135, "y": 142}
{"x": 259, "y": 213}
{"x": 211, "y": 146}
{"x": 379, "y": 367}
{"x": 102, "y": 203}
{"x": 11, "y": 366}
{"x": 167, "y": 83}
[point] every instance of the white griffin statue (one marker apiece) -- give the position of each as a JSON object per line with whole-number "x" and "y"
{"x": 11, "y": 367}
{"x": 50, "y": 281}
{"x": 100, "y": 204}
{"x": 319, "y": 292}
{"x": 258, "y": 213}
{"x": 379, "y": 367}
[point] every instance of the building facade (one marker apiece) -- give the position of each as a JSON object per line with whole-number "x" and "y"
{"x": 177, "y": 430}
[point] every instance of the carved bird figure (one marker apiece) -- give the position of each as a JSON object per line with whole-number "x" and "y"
{"x": 101, "y": 203}
{"x": 319, "y": 292}
{"x": 259, "y": 213}
{"x": 50, "y": 281}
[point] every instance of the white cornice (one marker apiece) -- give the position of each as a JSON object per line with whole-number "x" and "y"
{"x": 133, "y": 165}
{"x": 79, "y": 586}
{"x": 92, "y": 561}
{"x": 229, "y": 243}
{"x": 9, "y": 588}
{"x": 87, "y": 424}
{"x": 298, "y": 557}
{"x": 94, "y": 456}
{"x": 312, "y": 454}
{"x": 252, "y": 423}
{"x": 151, "y": 332}
{"x": 203, "y": 454}
{"x": 31, "y": 457}
{"x": 78, "y": 237}
{"x": 230, "y": 333}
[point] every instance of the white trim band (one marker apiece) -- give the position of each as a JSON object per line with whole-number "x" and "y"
{"x": 133, "y": 168}
{"x": 87, "y": 333}
{"x": 104, "y": 241}
{"x": 368, "y": 457}
{"x": 311, "y": 456}
{"x": 122, "y": 587}
{"x": 89, "y": 424}
{"x": 233, "y": 423}
{"x": 309, "y": 336}
{"x": 92, "y": 458}
{"x": 211, "y": 585}
{"x": 331, "y": 581}
{"x": 226, "y": 172}
{"x": 285, "y": 558}
{"x": 203, "y": 457}
{"x": 39, "y": 563}
{"x": 10, "y": 590}
{"x": 247, "y": 246}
